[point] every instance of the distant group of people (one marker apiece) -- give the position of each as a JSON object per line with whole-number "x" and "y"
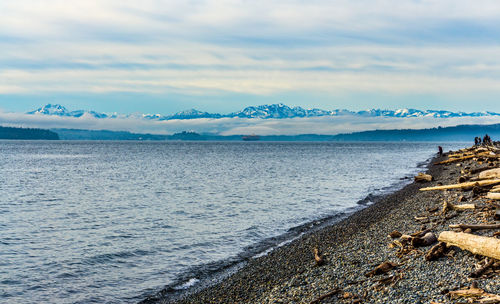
{"x": 486, "y": 140}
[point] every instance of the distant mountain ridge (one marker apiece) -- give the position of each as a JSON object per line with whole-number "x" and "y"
{"x": 275, "y": 111}
{"x": 59, "y": 110}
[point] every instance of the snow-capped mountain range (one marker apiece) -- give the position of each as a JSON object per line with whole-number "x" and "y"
{"x": 276, "y": 111}
{"x": 59, "y": 110}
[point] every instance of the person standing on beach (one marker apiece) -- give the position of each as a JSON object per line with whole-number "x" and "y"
{"x": 487, "y": 139}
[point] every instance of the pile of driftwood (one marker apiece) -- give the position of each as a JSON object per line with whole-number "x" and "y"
{"x": 480, "y": 173}
{"x": 486, "y": 182}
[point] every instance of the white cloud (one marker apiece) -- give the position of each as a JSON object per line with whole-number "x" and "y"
{"x": 249, "y": 81}
{"x": 32, "y": 17}
{"x": 442, "y": 48}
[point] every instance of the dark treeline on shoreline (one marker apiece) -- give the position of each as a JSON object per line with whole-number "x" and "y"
{"x": 27, "y": 133}
{"x": 456, "y": 133}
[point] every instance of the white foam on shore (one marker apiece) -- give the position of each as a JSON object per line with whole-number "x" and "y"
{"x": 188, "y": 284}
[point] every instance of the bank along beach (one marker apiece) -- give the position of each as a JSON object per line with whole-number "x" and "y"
{"x": 436, "y": 240}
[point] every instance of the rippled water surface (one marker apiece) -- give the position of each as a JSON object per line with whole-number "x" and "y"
{"x": 112, "y": 222}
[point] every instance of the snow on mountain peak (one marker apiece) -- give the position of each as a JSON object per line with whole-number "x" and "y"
{"x": 51, "y": 109}
{"x": 59, "y": 110}
{"x": 276, "y": 111}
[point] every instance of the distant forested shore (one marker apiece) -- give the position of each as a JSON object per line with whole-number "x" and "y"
{"x": 455, "y": 133}
{"x": 27, "y": 133}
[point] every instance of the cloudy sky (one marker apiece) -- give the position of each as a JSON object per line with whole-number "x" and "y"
{"x": 219, "y": 56}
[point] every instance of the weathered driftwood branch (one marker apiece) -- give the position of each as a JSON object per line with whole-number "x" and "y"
{"x": 422, "y": 178}
{"x": 476, "y": 227}
{"x": 436, "y": 252}
{"x": 482, "y": 245}
{"x": 461, "y": 207}
{"x": 495, "y": 189}
{"x": 481, "y": 183}
{"x": 423, "y": 219}
{"x": 471, "y": 292}
{"x": 449, "y": 206}
{"x": 318, "y": 258}
{"x": 478, "y": 272}
{"x": 452, "y": 160}
{"x": 474, "y": 292}
{"x": 460, "y": 154}
{"x": 382, "y": 268}
{"x": 489, "y": 298}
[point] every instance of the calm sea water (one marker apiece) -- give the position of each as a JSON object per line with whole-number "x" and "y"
{"x": 112, "y": 222}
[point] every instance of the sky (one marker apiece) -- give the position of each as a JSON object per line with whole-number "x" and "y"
{"x": 154, "y": 56}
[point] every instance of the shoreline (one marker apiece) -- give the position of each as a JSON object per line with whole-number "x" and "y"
{"x": 297, "y": 253}
{"x": 187, "y": 286}
{"x": 352, "y": 247}
{"x": 299, "y": 250}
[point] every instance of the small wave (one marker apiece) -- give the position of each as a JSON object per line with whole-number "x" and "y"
{"x": 188, "y": 284}
{"x": 10, "y": 282}
{"x": 65, "y": 275}
{"x": 114, "y": 257}
{"x": 119, "y": 236}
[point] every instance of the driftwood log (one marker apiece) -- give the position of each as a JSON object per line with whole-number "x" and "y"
{"x": 452, "y": 160}
{"x": 482, "y": 245}
{"x": 489, "y": 174}
{"x": 476, "y": 227}
{"x": 481, "y": 183}
{"x": 478, "y": 170}
{"x": 449, "y": 206}
{"x": 493, "y": 195}
{"x": 495, "y": 189}
{"x": 422, "y": 178}
{"x": 478, "y": 294}
{"x": 471, "y": 292}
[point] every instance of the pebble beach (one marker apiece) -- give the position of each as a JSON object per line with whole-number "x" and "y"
{"x": 355, "y": 246}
